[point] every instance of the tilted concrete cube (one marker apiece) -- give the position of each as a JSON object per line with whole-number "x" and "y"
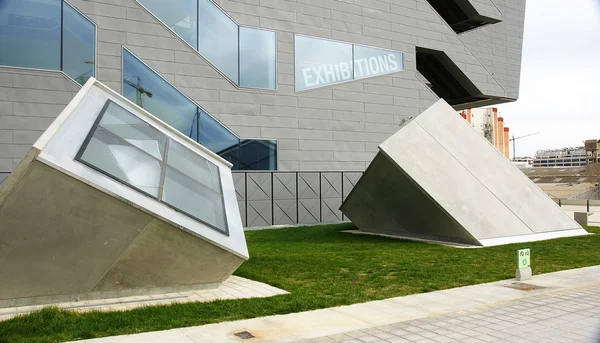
{"x": 111, "y": 201}
{"x": 438, "y": 179}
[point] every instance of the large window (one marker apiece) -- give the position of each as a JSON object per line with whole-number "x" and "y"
{"x": 47, "y": 34}
{"x": 180, "y": 15}
{"x": 79, "y": 45}
{"x": 218, "y": 39}
{"x": 257, "y": 58}
{"x": 148, "y": 90}
{"x": 131, "y": 151}
{"x": 247, "y": 56}
{"x": 323, "y": 62}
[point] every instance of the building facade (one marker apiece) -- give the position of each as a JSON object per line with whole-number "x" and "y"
{"x": 277, "y": 85}
{"x": 488, "y": 123}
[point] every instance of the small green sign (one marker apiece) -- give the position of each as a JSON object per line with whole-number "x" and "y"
{"x": 523, "y": 258}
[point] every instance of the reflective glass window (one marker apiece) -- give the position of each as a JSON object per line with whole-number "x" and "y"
{"x": 321, "y": 62}
{"x": 218, "y": 39}
{"x": 257, "y": 154}
{"x": 214, "y": 135}
{"x": 125, "y": 148}
{"x": 181, "y": 16}
{"x": 257, "y": 58}
{"x": 372, "y": 61}
{"x": 144, "y": 87}
{"x": 78, "y": 45}
{"x": 30, "y": 33}
{"x": 193, "y": 185}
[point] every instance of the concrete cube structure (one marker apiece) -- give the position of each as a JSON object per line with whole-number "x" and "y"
{"x": 111, "y": 201}
{"x": 438, "y": 179}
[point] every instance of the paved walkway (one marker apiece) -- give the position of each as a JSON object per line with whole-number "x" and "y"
{"x": 556, "y": 307}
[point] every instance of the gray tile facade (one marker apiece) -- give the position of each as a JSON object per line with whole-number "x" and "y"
{"x": 29, "y": 101}
{"x": 333, "y": 128}
{"x": 336, "y": 128}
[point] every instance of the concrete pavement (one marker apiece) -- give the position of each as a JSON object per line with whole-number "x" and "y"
{"x": 556, "y": 307}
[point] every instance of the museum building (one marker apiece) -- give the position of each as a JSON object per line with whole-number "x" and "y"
{"x": 296, "y": 95}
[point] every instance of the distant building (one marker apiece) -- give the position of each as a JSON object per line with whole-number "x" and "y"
{"x": 565, "y": 157}
{"x": 487, "y": 122}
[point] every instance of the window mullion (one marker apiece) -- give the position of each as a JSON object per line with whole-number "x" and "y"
{"x": 163, "y": 171}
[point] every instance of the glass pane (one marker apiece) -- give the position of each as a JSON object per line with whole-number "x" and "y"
{"x": 193, "y": 186}
{"x": 214, "y": 136}
{"x": 127, "y": 149}
{"x": 194, "y": 166}
{"x": 257, "y": 58}
{"x": 181, "y": 16}
{"x": 321, "y": 62}
{"x": 218, "y": 39}
{"x": 79, "y": 36}
{"x": 258, "y": 155}
{"x": 148, "y": 90}
{"x": 30, "y": 33}
{"x": 372, "y": 61}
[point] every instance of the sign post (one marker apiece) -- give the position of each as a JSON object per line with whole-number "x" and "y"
{"x": 523, "y": 264}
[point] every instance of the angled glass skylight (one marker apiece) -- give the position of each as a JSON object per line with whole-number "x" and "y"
{"x": 141, "y": 207}
{"x": 131, "y": 151}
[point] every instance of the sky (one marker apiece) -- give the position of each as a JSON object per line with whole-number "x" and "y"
{"x": 560, "y": 77}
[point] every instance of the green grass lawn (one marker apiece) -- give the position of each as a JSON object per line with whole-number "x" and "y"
{"x": 321, "y": 267}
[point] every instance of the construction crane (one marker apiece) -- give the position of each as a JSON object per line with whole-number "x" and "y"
{"x": 513, "y": 139}
{"x": 139, "y": 90}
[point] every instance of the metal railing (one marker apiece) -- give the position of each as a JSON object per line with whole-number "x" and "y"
{"x": 286, "y": 198}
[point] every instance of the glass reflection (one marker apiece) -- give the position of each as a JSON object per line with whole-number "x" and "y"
{"x": 127, "y": 149}
{"x": 321, "y": 62}
{"x": 148, "y": 90}
{"x": 78, "y": 45}
{"x": 258, "y": 154}
{"x": 257, "y": 58}
{"x": 372, "y": 61}
{"x": 181, "y": 16}
{"x": 143, "y": 86}
{"x": 30, "y": 33}
{"x": 193, "y": 186}
{"x": 218, "y": 39}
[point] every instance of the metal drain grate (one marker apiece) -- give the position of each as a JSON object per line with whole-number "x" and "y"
{"x": 524, "y": 286}
{"x": 244, "y": 335}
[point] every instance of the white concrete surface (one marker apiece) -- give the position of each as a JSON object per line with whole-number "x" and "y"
{"x": 362, "y": 319}
{"x": 475, "y": 188}
{"x": 234, "y": 287}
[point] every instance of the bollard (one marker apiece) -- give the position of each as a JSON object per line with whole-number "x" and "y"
{"x": 588, "y": 206}
{"x": 559, "y": 203}
{"x": 523, "y": 264}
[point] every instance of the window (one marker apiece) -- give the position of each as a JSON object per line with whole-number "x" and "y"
{"x": 47, "y": 34}
{"x": 258, "y": 154}
{"x": 125, "y": 148}
{"x": 371, "y": 61}
{"x": 148, "y": 90}
{"x": 322, "y": 62}
{"x": 30, "y": 33}
{"x": 180, "y": 15}
{"x": 143, "y": 86}
{"x": 247, "y": 56}
{"x": 218, "y": 39}
{"x": 131, "y": 151}
{"x": 189, "y": 176}
{"x": 257, "y": 58}
{"x": 78, "y": 45}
